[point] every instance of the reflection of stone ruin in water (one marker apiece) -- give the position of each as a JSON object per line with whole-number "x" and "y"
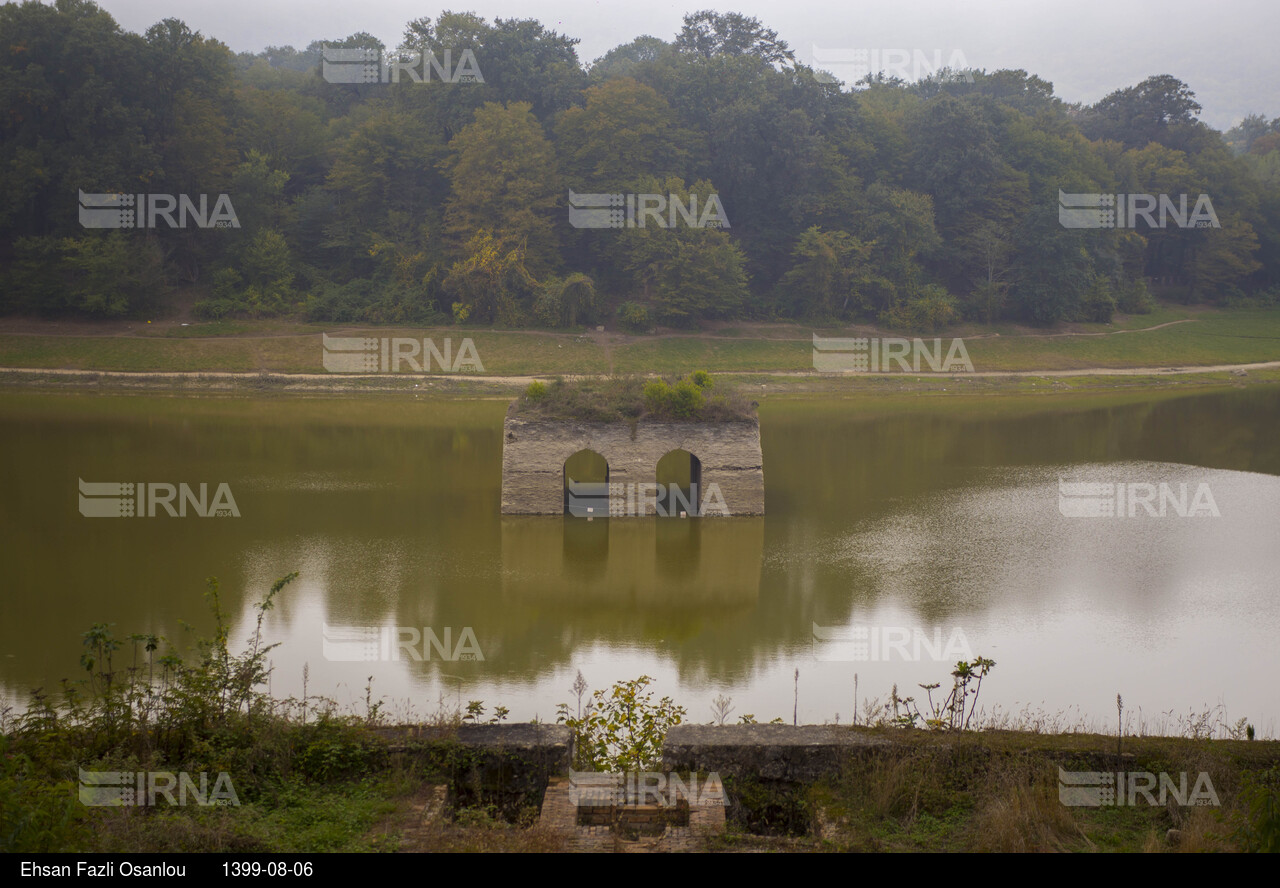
{"x": 674, "y": 564}
{"x": 585, "y": 473}
{"x": 723, "y": 471}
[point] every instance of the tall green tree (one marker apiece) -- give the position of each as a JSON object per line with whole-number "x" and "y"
{"x": 385, "y": 180}
{"x": 503, "y": 177}
{"x": 1159, "y": 109}
{"x": 519, "y": 60}
{"x": 831, "y": 275}
{"x": 624, "y": 129}
{"x": 685, "y": 273}
{"x": 708, "y": 33}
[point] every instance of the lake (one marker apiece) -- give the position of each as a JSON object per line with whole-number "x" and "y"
{"x": 899, "y": 531}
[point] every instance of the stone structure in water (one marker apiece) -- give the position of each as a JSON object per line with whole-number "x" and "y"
{"x": 612, "y": 469}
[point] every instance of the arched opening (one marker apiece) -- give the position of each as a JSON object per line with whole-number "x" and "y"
{"x": 586, "y": 485}
{"x": 680, "y": 474}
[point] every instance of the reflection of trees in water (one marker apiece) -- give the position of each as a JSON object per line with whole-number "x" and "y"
{"x": 833, "y": 463}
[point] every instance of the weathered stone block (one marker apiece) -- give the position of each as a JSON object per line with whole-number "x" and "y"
{"x": 799, "y": 754}
{"x": 534, "y": 453}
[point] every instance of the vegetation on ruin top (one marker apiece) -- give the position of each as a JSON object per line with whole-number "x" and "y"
{"x": 693, "y": 398}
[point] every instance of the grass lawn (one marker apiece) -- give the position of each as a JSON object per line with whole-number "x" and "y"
{"x": 1205, "y": 337}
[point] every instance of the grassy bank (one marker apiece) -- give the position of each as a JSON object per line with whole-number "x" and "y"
{"x": 1169, "y": 337}
{"x": 999, "y": 791}
{"x": 334, "y": 785}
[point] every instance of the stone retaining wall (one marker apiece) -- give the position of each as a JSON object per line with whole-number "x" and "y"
{"x": 534, "y": 452}
{"x": 798, "y": 754}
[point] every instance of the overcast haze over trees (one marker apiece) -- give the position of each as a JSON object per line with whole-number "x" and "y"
{"x": 1086, "y": 48}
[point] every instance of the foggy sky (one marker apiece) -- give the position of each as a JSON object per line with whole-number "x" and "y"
{"x": 1223, "y": 50}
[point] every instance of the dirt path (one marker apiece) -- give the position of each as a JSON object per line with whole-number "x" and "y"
{"x": 1086, "y": 371}
{"x": 1100, "y": 333}
{"x": 338, "y": 378}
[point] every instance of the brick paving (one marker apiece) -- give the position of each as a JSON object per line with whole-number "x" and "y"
{"x": 560, "y": 814}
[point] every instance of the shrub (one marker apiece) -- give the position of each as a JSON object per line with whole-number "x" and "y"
{"x": 934, "y": 307}
{"x": 657, "y": 395}
{"x": 622, "y": 728}
{"x": 626, "y": 398}
{"x": 565, "y": 303}
{"x": 1261, "y": 830}
{"x": 1097, "y": 304}
{"x": 548, "y": 307}
{"x": 1135, "y": 298}
{"x": 36, "y": 815}
{"x": 685, "y": 400}
{"x": 931, "y": 308}
{"x": 340, "y": 303}
{"x": 112, "y": 275}
{"x": 634, "y": 317}
{"x": 363, "y": 299}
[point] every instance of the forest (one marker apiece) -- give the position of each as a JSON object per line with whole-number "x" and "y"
{"x": 444, "y": 199}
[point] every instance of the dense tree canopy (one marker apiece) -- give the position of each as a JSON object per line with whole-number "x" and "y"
{"x": 444, "y": 198}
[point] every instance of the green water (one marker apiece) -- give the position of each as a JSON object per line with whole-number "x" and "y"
{"x": 911, "y": 514}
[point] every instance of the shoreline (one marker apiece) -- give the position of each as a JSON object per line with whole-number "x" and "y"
{"x": 781, "y": 382}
